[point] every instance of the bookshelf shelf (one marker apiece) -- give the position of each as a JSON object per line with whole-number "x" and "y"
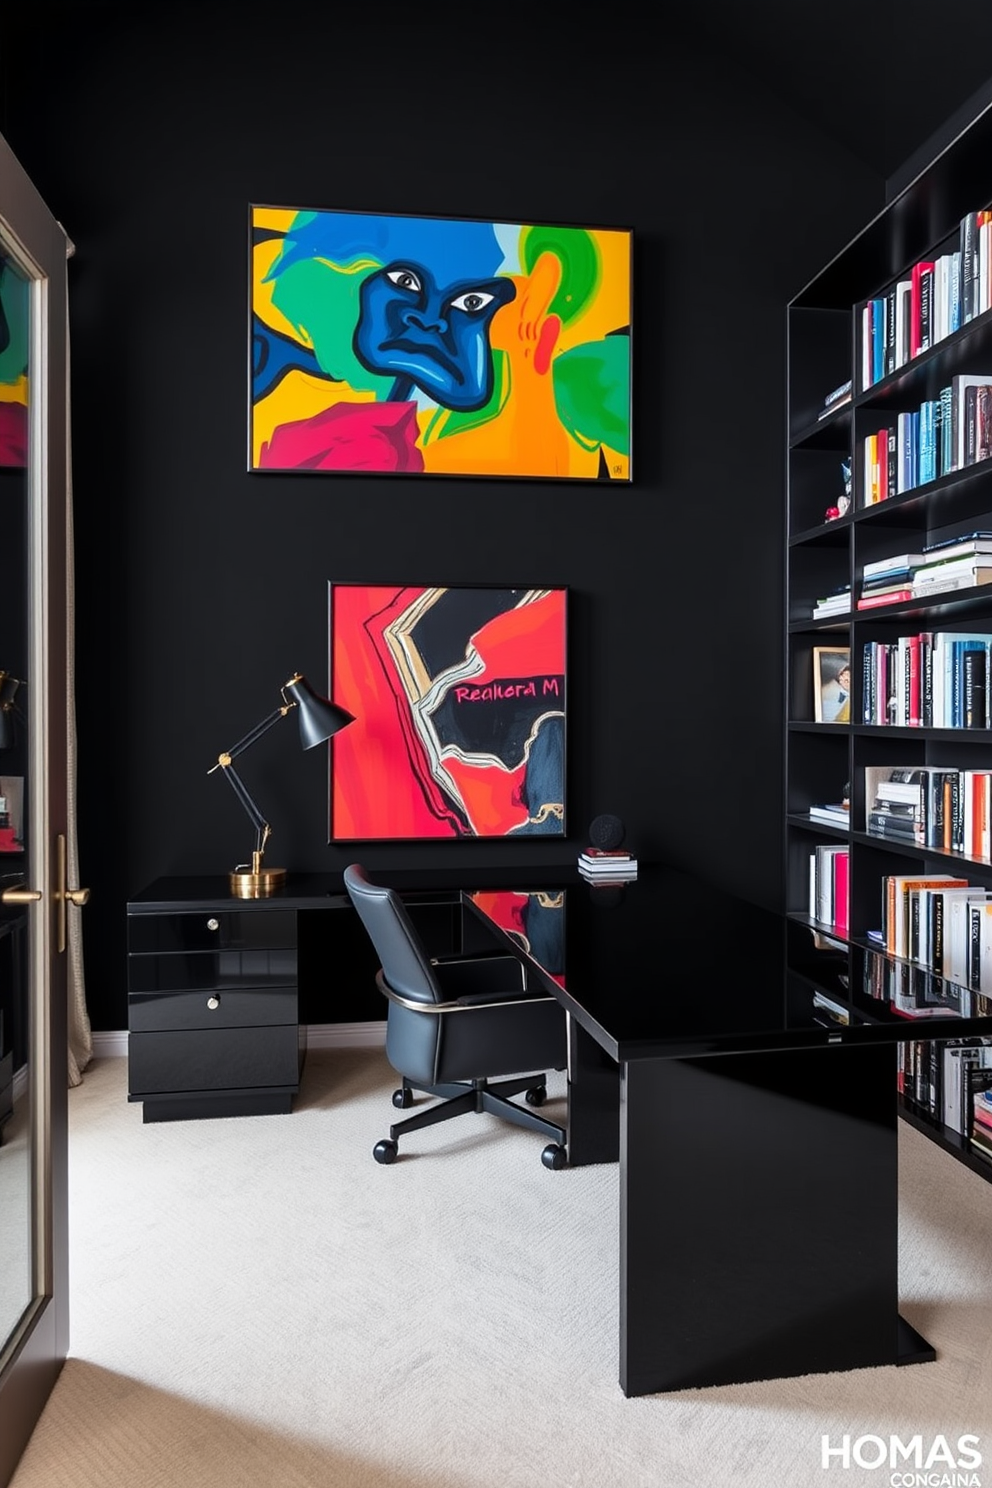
{"x": 827, "y": 344}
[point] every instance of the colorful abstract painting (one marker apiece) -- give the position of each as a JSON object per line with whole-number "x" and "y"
{"x": 458, "y": 696}
{"x": 431, "y": 345}
{"x": 13, "y": 366}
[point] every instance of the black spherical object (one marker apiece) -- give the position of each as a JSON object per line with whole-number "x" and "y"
{"x": 606, "y": 832}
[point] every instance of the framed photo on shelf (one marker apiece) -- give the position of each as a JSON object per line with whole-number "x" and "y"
{"x": 831, "y": 684}
{"x": 397, "y": 344}
{"x": 459, "y": 696}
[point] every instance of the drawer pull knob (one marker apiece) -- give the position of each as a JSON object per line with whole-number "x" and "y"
{"x": 213, "y": 1002}
{"x": 213, "y": 924}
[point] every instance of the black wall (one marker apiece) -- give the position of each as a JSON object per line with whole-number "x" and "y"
{"x": 201, "y": 587}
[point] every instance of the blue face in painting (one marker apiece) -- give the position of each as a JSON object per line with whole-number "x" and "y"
{"x": 430, "y": 334}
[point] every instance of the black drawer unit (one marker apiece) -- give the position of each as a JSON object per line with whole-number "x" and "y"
{"x": 213, "y": 1010}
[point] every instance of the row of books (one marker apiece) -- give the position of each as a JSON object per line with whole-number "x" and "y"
{"x": 951, "y": 1081}
{"x": 946, "y": 433}
{"x": 934, "y": 806}
{"x": 828, "y": 886}
{"x": 929, "y": 679}
{"x": 934, "y": 299}
{"x": 944, "y": 927}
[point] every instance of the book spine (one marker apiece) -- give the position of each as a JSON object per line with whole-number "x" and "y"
{"x": 882, "y": 454}
{"x": 946, "y": 443}
{"x": 913, "y": 683}
{"x": 868, "y": 682}
{"x": 840, "y": 892}
{"x": 877, "y": 339}
{"x": 967, "y": 248}
{"x": 927, "y": 337}
{"x": 926, "y": 678}
{"x": 974, "y": 946}
{"x": 954, "y": 294}
{"x": 983, "y": 424}
{"x": 970, "y": 405}
{"x": 974, "y": 667}
{"x": 937, "y": 931}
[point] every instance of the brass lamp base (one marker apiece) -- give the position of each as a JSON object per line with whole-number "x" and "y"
{"x": 258, "y": 883}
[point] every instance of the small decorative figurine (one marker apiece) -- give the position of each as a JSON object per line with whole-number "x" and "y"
{"x": 831, "y": 514}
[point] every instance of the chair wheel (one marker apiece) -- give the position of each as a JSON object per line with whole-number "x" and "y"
{"x": 537, "y": 1096}
{"x": 386, "y": 1150}
{"x": 402, "y": 1099}
{"x": 553, "y": 1157}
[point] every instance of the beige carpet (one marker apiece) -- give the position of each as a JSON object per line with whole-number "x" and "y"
{"x": 257, "y": 1304}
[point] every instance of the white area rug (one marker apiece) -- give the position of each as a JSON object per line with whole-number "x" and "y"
{"x": 258, "y": 1304}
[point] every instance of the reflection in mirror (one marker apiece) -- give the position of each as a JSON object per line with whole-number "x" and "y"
{"x": 16, "y": 1278}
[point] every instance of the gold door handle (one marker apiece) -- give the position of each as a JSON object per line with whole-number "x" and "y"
{"x": 64, "y": 895}
{"x": 20, "y": 895}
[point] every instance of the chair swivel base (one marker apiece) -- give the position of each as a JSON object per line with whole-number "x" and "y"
{"x": 478, "y": 1095}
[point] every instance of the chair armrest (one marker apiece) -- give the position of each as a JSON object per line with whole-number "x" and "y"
{"x": 505, "y": 998}
{"x": 462, "y": 977}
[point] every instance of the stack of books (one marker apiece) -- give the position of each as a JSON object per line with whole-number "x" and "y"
{"x": 837, "y": 603}
{"x": 836, "y": 399}
{"x": 889, "y": 580}
{"x": 607, "y": 865}
{"x": 835, "y": 813}
{"x": 962, "y": 563}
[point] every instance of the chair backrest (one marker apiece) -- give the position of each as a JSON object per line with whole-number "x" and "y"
{"x": 404, "y": 963}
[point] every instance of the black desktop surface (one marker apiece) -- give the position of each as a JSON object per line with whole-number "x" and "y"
{"x": 667, "y": 965}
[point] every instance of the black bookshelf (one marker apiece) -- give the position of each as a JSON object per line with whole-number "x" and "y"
{"x": 824, "y": 333}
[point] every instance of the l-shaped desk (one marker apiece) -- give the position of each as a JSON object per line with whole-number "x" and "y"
{"x": 743, "y": 1069}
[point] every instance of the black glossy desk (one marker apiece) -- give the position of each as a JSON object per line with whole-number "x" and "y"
{"x": 755, "y": 1129}
{"x": 757, "y": 1126}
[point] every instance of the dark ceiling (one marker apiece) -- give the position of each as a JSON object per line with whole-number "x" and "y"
{"x": 880, "y": 76}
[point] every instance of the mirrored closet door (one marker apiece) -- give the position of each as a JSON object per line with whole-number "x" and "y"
{"x": 33, "y": 807}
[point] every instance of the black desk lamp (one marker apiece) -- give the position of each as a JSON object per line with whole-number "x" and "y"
{"x": 319, "y": 719}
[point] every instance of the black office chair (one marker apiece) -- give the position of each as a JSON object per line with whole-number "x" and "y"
{"x": 455, "y": 1023}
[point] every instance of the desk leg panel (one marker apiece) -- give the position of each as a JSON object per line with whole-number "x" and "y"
{"x": 758, "y": 1217}
{"x": 593, "y": 1124}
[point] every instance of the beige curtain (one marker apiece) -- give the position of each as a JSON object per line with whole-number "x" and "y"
{"x": 80, "y": 1033}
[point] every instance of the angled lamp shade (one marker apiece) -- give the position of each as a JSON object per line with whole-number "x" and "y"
{"x": 319, "y": 719}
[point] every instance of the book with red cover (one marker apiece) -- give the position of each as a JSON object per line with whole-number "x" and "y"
{"x": 916, "y": 276}
{"x": 882, "y": 448}
{"x": 913, "y": 680}
{"x": 839, "y": 866}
